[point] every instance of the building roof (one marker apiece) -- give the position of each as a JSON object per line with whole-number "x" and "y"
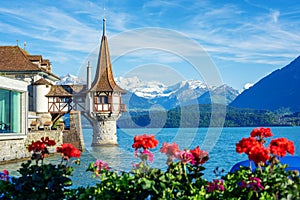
{"x": 14, "y": 59}
{"x": 104, "y": 79}
{"x": 45, "y": 62}
{"x": 58, "y": 91}
{"x": 35, "y": 58}
{"x": 42, "y": 81}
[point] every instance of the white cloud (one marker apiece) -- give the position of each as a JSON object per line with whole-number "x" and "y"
{"x": 230, "y": 30}
{"x": 238, "y": 33}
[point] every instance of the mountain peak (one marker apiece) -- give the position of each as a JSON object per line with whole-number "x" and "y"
{"x": 154, "y": 92}
{"x": 69, "y": 79}
{"x": 280, "y": 89}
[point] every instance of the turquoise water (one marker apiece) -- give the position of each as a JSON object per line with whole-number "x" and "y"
{"x": 221, "y": 149}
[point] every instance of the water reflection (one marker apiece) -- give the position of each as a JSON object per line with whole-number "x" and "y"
{"x": 116, "y": 157}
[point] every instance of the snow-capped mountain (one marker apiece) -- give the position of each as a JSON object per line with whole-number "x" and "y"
{"x": 183, "y": 93}
{"x": 144, "y": 94}
{"x": 154, "y": 89}
{"x": 69, "y": 79}
{"x": 145, "y": 89}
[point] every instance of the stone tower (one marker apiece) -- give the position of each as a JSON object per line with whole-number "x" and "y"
{"x": 105, "y": 101}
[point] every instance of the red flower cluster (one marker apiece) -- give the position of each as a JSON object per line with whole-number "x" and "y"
{"x": 185, "y": 156}
{"x": 68, "y": 150}
{"x": 247, "y": 144}
{"x": 144, "y": 141}
{"x": 48, "y": 142}
{"x": 41, "y": 145}
{"x": 280, "y": 146}
{"x": 170, "y": 149}
{"x": 37, "y": 146}
{"x": 259, "y": 155}
{"x": 200, "y": 156}
{"x": 261, "y": 132}
{"x": 254, "y": 146}
{"x": 194, "y": 156}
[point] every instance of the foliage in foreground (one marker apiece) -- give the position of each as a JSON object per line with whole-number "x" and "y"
{"x": 182, "y": 180}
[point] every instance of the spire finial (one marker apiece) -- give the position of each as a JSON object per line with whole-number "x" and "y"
{"x": 104, "y": 26}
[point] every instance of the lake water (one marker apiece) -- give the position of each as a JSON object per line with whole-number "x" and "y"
{"x": 219, "y": 142}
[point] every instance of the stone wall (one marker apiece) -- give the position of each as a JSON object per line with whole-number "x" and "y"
{"x": 74, "y": 135}
{"x": 12, "y": 150}
{"x": 56, "y": 135}
{"x": 15, "y": 148}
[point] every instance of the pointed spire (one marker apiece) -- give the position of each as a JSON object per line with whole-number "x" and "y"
{"x": 104, "y": 26}
{"x": 104, "y": 79}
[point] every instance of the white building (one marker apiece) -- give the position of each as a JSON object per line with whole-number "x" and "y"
{"x": 18, "y": 64}
{"x": 25, "y": 80}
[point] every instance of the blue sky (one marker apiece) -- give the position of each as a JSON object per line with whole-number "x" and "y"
{"x": 236, "y": 42}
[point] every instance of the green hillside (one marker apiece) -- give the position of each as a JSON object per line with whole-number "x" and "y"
{"x": 200, "y": 116}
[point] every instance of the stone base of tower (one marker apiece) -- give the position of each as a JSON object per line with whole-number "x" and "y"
{"x": 105, "y": 133}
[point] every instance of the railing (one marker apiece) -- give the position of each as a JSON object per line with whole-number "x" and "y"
{"x": 60, "y": 106}
{"x": 109, "y": 107}
{"x": 55, "y": 107}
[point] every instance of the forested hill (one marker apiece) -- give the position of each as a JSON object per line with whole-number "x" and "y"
{"x": 200, "y": 116}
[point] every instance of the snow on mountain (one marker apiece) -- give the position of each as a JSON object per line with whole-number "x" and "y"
{"x": 183, "y": 93}
{"x": 145, "y": 89}
{"x": 154, "y": 89}
{"x": 189, "y": 89}
{"x": 69, "y": 79}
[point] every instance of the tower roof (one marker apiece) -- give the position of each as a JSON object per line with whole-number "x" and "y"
{"x": 104, "y": 79}
{"x": 42, "y": 81}
{"x": 58, "y": 91}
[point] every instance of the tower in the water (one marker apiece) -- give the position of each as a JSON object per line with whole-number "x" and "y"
{"x": 104, "y": 104}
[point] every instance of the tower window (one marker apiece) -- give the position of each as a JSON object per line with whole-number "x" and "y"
{"x": 102, "y": 99}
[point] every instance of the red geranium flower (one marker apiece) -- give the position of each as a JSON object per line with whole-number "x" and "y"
{"x": 261, "y": 132}
{"x": 245, "y": 145}
{"x": 37, "y": 146}
{"x": 48, "y": 142}
{"x": 185, "y": 156}
{"x": 259, "y": 155}
{"x": 40, "y": 146}
{"x": 144, "y": 141}
{"x": 280, "y": 146}
{"x": 170, "y": 149}
{"x": 200, "y": 156}
{"x": 68, "y": 150}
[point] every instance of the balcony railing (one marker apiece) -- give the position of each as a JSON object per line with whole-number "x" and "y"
{"x": 109, "y": 107}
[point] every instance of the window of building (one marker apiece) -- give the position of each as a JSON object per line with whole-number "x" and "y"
{"x": 102, "y": 99}
{"x": 10, "y": 111}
